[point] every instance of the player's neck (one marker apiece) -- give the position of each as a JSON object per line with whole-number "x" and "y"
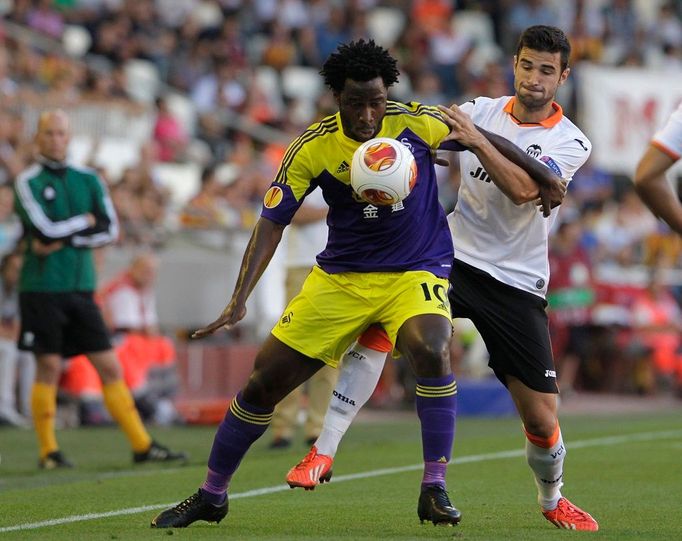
{"x": 531, "y": 116}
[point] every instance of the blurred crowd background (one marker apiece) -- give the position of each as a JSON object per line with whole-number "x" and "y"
{"x": 185, "y": 107}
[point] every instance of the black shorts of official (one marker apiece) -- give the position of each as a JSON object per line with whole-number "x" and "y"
{"x": 512, "y": 322}
{"x": 65, "y": 323}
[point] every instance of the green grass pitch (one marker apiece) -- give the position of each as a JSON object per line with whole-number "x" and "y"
{"x": 625, "y": 470}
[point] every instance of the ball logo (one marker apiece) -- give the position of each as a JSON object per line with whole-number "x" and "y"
{"x": 413, "y": 175}
{"x": 380, "y": 156}
{"x": 378, "y": 197}
{"x": 273, "y": 197}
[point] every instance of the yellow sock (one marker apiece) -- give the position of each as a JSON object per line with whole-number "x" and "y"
{"x": 44, "y": 407}
{"x": 119, "y": 402}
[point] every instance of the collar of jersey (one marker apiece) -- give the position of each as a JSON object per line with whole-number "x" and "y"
{"x": 548, "y": 122}
{"x": 52, "y": 164}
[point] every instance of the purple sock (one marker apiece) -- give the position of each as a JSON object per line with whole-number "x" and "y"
{"x": 243, "y": 424}
{"x": 436, "y": 403}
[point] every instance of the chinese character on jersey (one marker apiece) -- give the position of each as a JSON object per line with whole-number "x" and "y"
{"x": 395, "y": 207}
{"x": 370, "y": 211}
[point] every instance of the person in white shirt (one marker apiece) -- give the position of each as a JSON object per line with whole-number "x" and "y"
{"x": 663, "y": 151}
{"x": 501, "y": 269}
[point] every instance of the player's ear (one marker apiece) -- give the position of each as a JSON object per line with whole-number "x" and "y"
{"x": 564, "y": 76}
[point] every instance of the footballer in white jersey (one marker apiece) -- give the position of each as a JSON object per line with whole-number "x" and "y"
{"x": 492, "y": 233}
{"x": 650, "y": 181}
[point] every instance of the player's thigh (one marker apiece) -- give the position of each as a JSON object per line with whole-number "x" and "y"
{"x": 328, "y": 314}
{"x": 513, "y": 324}
{"x": 415, "y": 294}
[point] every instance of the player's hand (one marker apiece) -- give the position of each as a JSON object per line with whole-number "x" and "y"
{"x": 551, "y": 196}
{"x": 462, "y": 128}
{"x": 41, "y": 249}
{"x": 232, "y": 314}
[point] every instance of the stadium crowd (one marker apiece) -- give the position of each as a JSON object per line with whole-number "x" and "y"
{"x": 226, "y": 84}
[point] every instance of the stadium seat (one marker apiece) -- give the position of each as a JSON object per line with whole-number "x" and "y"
{"x": 475, "y": 25}
{"x": 181, "y": 179}
{"x": 385, "y": 25}
{"x": 182, "y": 109}
{"x": 142, "y": 80}
{"x": 299, "y": 82}
{"x": 76, "y": 40}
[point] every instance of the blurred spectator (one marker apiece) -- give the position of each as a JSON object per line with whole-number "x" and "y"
{"x": 622, "y": 229}
{"x": 622, "y": 33}
{"x": 169, "y": 135}
{"x": 15, "y": 367}
{"x": 448, "y": 50}
{"x": 525, "y": 13}
{"x": 657, "y": 323}
{"x": 8, "y": 87}
{"x": 332, "y": 32}
{"x": 10, "y": 225}
{"x": 147, "y": 357}
{"x": 209, "y": 209}
{"x": 11, "y": 162}
{"x": 43, "y": 18}
{"x": 570, "y": 297}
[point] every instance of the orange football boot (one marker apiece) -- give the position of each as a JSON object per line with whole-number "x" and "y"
{"x": 311, "y": 471}
{"x": 569, "y": 517}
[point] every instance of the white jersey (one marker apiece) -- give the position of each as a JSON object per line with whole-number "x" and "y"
{"x": 489, "y": 231}
{"x": 669, "y": 138}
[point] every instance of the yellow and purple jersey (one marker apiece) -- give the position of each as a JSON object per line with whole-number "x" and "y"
{"x": 410, "y": 235}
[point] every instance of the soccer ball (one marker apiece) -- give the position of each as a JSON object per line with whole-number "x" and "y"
{"x": 383, "y": 171}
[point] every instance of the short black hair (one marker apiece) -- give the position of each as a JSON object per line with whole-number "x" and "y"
{"x": 359, "y": 61}
{"x": 548, "y": 39}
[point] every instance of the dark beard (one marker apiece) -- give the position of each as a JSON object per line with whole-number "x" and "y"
{"x": 532, "y": 104}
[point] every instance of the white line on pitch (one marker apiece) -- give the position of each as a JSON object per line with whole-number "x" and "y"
{"x": 596, "y": 442}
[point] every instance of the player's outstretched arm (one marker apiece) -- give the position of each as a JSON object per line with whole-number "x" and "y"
{"x": 654, "y": 190}
{"x": 259, "y": 251}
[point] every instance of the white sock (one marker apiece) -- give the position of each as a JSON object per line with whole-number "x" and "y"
{"x": 360, "y": 371}
{"x": 548, "y": 468}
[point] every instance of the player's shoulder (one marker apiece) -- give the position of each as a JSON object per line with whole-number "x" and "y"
{"x": 411, "y": 108}
{"x": 485, "y": 102}
{"x": 412, "y": 113}
{"x": 569, "y": 132}
{"x": 316, "y": 132}
{"x": 484, "y": 107}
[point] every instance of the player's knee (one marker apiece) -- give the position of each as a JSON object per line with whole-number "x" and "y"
{"x": 262, "y": 391}
{"x": 430, "y": 358}
{"x": 539, "y": 425}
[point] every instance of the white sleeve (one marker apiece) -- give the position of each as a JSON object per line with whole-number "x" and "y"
{"x": 567, "y": 157}
{"x": 124, "y": 307}
{"x": 669, "y": 138}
